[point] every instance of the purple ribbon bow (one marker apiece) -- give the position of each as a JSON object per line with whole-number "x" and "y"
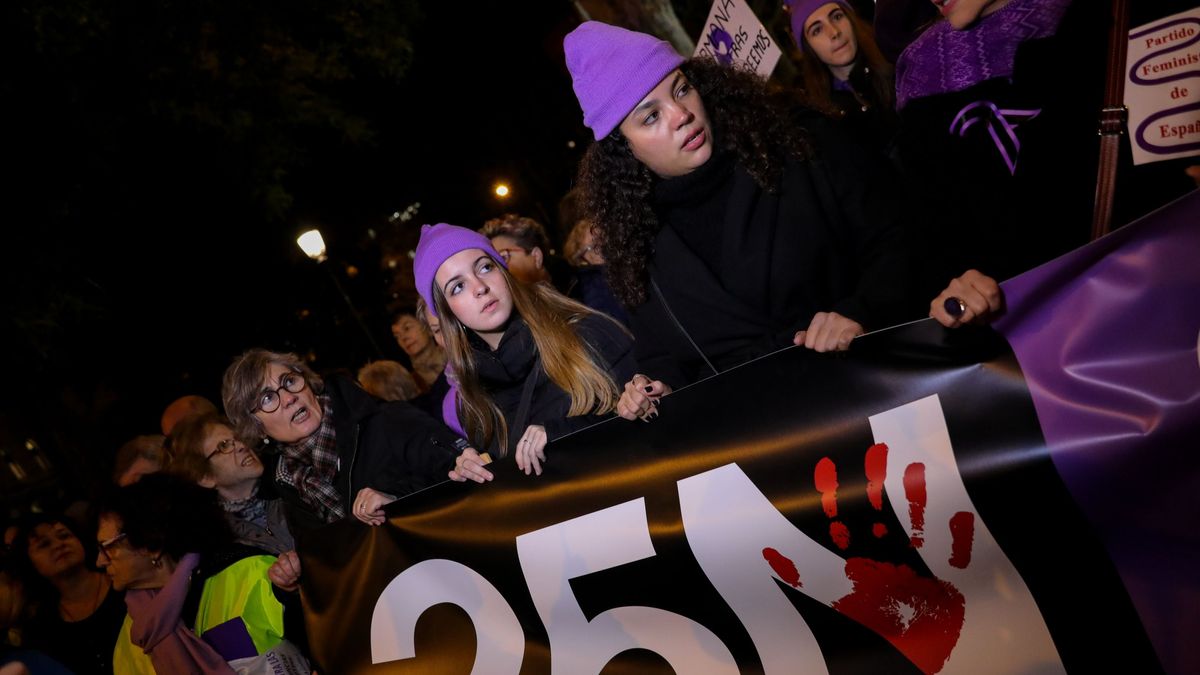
{"x": 1001, "y": 124}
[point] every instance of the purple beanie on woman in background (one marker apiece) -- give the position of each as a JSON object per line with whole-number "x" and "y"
{"x": 800, "y": 10}
{"x": 612, "y": 70}
{"x": 439, "y": 242}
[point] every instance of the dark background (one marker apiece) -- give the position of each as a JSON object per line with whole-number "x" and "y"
{"x": 161, "y": 158}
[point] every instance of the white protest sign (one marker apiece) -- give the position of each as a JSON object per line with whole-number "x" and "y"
{"x": 735, "y": 37}
{"x": 1162, "y": 88}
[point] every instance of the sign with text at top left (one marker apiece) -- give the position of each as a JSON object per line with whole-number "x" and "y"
{"x": 734, "y": 36}
{"x": 1162, "y": 88}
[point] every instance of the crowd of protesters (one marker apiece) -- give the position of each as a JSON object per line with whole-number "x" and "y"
{"x": 714, "y": 220}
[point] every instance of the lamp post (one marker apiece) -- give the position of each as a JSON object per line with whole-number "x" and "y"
{"x": 313, "y": 245}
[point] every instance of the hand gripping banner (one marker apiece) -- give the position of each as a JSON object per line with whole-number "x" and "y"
{"x": 892, "y": 509}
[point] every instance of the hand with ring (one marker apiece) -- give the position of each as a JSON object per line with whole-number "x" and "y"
{"x": 531, "y": 449}
{"x": 368, "y": 505}
{"x": 640, "y": 398}
{"x": 971, "y": 298}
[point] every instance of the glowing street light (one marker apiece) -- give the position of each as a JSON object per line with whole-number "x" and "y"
{"x": 312, "y": 244}
{"x": 501, "y": 190}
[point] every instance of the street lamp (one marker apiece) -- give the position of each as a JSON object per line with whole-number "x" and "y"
{"x": 501, "y": 190}
{"x": 313, "y": 245}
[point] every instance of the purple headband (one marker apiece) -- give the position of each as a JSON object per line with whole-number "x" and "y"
{"x": 439, "y": 242}
{"x": 612, "y": 70}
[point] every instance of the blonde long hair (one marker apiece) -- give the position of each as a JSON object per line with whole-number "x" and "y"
{"x": 570, "y": 363}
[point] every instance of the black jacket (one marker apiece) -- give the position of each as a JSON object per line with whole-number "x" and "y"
{"x": 864, "y": 117}
{"x": 756, "y": 266}
{"x": 971, "y": 210}
{"x": 389, "y": 446}
{"x": 503, "y": 374}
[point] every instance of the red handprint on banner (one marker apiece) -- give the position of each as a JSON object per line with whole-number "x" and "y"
{"x": 920, "y": 616}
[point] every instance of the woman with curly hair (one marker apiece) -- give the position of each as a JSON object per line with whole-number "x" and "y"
{"x": 845, "y": 77}
{"x": 734, "y": 237}
{"x": 531, "y": 364}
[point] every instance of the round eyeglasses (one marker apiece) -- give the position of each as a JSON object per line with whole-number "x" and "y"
{"x": 268, "y": 400}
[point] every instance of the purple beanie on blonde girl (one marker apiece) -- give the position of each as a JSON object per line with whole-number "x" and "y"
{"x": 439, "y": 242}
{"x": 612, "y": 70}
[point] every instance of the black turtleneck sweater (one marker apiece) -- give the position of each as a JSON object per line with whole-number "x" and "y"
{"x": 503, "y": 373}
{"x": 742, "y": 269}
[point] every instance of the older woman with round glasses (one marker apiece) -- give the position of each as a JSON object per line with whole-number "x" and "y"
{"x": 340, "y": 451}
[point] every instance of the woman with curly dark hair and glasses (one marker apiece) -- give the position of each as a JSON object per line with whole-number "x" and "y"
{"x": 736, "y": 236}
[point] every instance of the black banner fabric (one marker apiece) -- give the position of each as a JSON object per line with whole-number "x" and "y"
{"x": 890, "y": 509}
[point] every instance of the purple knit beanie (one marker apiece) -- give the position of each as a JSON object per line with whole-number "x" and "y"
{"x": 801, "y": 10}
{"x": 439, "y": 242}
{"x": 612, "y": 70}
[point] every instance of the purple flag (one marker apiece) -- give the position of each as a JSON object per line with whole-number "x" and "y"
{"x": 1107, "y": 337}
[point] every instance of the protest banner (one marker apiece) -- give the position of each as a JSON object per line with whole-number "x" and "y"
{"x": 1107, "y": 337}
{"x": 930, "y": 501}
{"x": 891, "y": 509}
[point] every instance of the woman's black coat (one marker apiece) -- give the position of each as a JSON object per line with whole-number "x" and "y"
{"x": 827, "y": 240}
{"x": 389, "y": 446}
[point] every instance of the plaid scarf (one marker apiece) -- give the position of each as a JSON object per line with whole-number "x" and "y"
{"x": 310, "y": 466}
